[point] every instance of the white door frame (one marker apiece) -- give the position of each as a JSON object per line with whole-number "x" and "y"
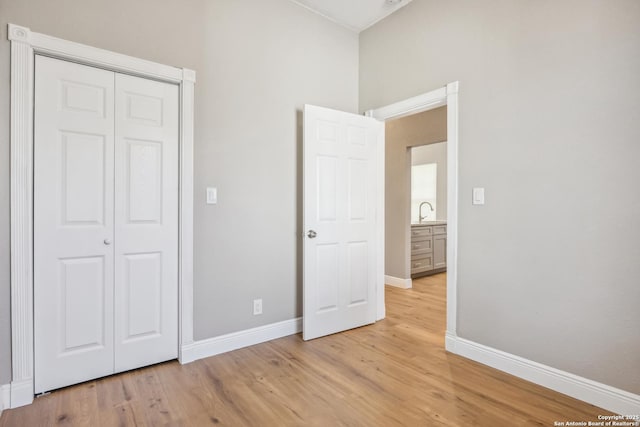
{"x": 25, "y": 44}
{"x": 448, "y": 96}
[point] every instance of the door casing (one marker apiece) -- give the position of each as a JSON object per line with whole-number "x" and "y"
{"x": 25, "y": 44}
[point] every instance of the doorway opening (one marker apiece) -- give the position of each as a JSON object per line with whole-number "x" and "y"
{"x": 427, "y": 222}
{"x": 443, "y": 97}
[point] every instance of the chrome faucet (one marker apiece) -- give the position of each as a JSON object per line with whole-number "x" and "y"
{"x": 420, "y": 210}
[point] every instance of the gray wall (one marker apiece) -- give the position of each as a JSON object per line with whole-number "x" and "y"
{"x": 435, "y": 153}
{"x": 258, "y": 62}
{"x": 549, "y": 108}
{"x": 266, "y": 59}
{"x": 400, "y": 135}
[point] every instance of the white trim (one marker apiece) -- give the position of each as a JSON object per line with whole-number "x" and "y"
{"x": 427, "y": 101}
{"x": 453, "y": 142}
{"x": 185, "y": 243}
{"x": 5, "y": 396}
{"x": 25, "y": 44}
{"x": 21, "y": 393}
{"x": 450, "y": 342}
{"x": 76, "y": 52}
{"x": 388, "y": 10}
{"x": 233, "y": 341}
{"x": 380, "y": 219}
{"x": 398, "y": 282}
{"x": 598, "y": 394}
{"x": 437, "y": 98}
{"x": 21, "y": 135}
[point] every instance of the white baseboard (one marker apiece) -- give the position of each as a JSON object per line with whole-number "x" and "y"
{"x": 450, "y": 342}
{"x": 21, "y": 393}
{"x": 398, "y": 282}
{"x": 236, "y": 340}
{"x": 5, "y": 397}
{"x": 598, "y": 394}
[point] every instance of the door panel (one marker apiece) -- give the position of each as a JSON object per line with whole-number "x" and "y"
{"x": 327, "y": 177}
{"x": 146, "y": 222}
{"x": 83, "y": 97}
{"x": 144, "y": 183}
{"x": 83, "y": 325}
{"x": 328, "y": 273}
{"x": 358, "y": 272}
{"x": 143, "y": 287}
{"x": 83, "y": 179}
{"x": 73, "y": 215}
{"x": 357, "y": 190}
{"x": 340, "y": 159}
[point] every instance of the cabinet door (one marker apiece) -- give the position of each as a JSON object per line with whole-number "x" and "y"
{"x": 440, "y": 251}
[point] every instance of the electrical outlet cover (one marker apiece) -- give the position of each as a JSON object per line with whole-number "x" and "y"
{"x": 257, "y": 307}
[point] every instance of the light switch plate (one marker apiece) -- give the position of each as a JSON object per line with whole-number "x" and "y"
{"x": 478, "y": 196}
{"x": 212, "y": 195}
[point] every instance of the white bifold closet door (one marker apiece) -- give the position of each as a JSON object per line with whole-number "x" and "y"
{"x": 105, "y": 222}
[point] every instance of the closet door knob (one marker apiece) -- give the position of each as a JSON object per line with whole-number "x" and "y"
{"x": 312, "y": 234}
{"x": 107, "y": 241}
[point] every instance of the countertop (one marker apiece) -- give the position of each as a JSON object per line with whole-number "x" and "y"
{"x": 424, "y": 223}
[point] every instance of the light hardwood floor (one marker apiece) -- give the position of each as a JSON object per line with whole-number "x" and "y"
{"x": 393, "y": 373}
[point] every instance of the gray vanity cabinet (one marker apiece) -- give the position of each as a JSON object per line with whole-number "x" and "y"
{"x": 428, "y": 248}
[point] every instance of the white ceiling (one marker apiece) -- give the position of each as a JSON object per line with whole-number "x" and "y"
{"x": 357, "y": 15}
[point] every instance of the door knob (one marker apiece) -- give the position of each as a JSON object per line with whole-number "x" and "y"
{"x": 311, "y": 234}
{"x": 107, "y": 241}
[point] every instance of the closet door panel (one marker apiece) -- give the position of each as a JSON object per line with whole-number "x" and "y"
{"x": 105, "y": 222}
{"x": 146, "y": 222}
{"x": 73, "y": 223}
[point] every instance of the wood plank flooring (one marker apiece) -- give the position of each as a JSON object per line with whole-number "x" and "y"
{"x": 393, "y": 373}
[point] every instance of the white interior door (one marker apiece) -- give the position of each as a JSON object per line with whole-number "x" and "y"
{"x": 146, "y": 222}
{"x": 340, "y": 202}
{"x": 73, "y": 223}
{"x": 105, "y": 223}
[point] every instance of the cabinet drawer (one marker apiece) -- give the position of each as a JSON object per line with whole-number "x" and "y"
{"x": 439, "y": 229}
{"x": 422, "y": 264}
{"x": 420, "y": 233}
{"x": 421, "y": 247}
